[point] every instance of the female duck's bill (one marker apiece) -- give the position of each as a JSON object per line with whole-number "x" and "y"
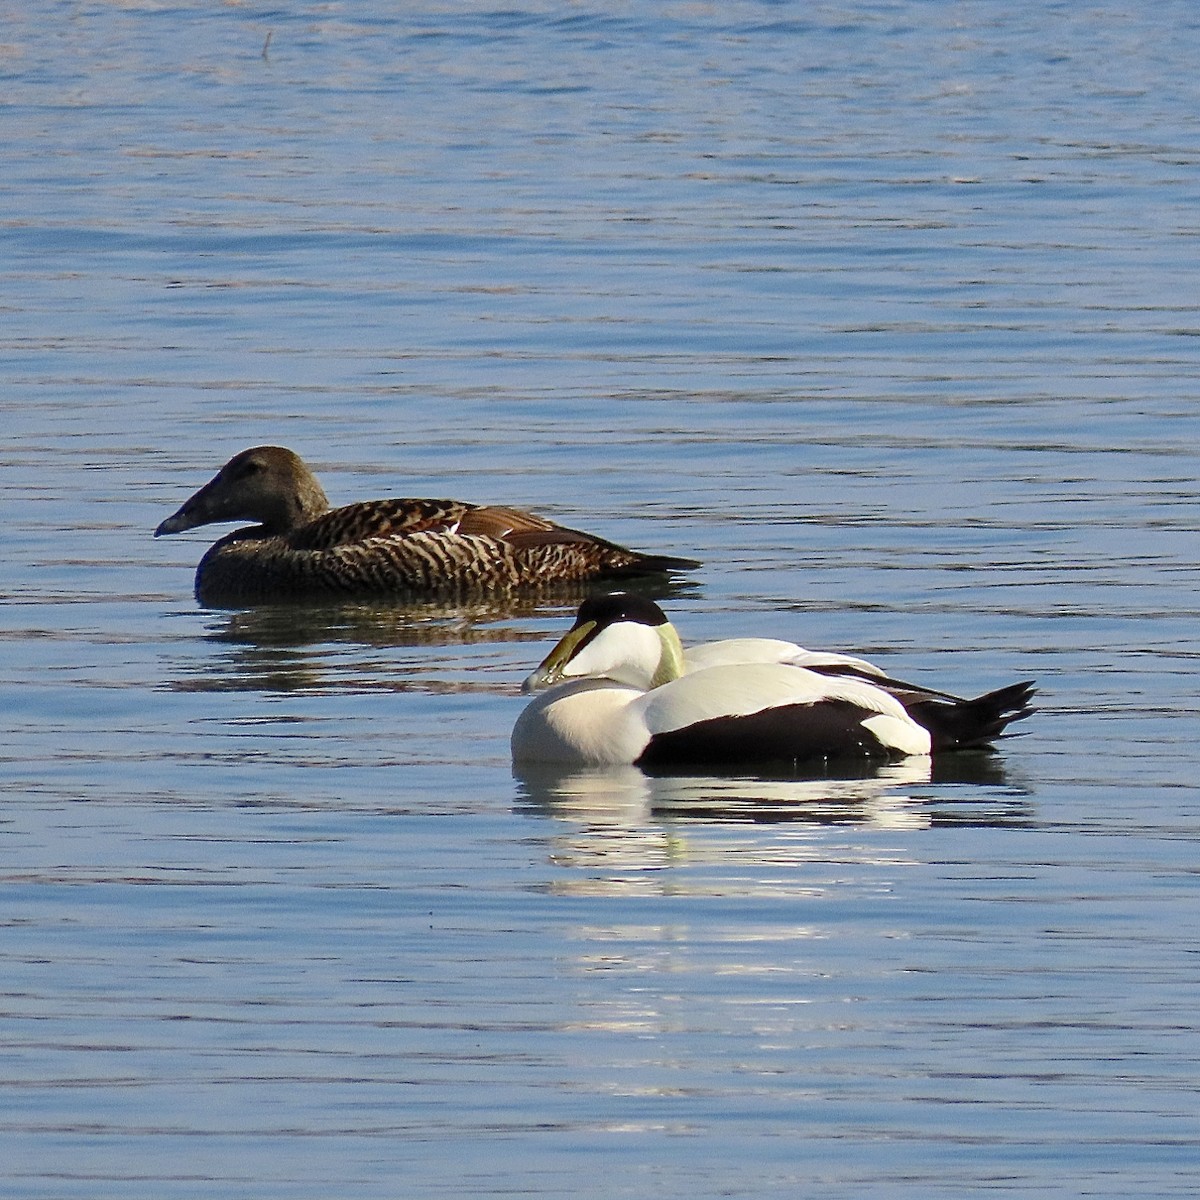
{"x": 618, "y": 689}
{"x": 301, "y": 548}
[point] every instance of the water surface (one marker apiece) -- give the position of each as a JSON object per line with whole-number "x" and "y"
{"x": 886, "y": 311}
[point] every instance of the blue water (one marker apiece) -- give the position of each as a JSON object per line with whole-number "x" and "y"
{"x": 886, "y": 311}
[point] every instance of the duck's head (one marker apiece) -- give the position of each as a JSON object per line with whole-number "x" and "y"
{"x": 267, "y": 484}
{"x": 620, "y": 637}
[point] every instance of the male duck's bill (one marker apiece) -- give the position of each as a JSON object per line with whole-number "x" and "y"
{"x": 301, "y": 548}
{"x": 618, "y": 689}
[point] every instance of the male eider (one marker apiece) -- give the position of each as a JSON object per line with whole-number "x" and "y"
{"x": 301, "y": 548}
{"x": 620, "y": 691}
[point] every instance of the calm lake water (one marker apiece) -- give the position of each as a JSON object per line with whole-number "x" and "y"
{"x": 889, "y": 312}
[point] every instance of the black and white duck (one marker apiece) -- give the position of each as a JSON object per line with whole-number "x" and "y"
{"x": 619, "y": 689}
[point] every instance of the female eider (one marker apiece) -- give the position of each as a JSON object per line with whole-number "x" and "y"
{"x": 301, "y": 548}
{"x": 620, "y": 691}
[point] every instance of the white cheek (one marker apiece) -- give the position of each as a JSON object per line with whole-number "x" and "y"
{"x": 627, "y": 653}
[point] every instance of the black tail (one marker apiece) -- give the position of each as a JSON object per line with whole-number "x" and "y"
{"x": 972, "y": 724}
{"x": 661, "y": 563}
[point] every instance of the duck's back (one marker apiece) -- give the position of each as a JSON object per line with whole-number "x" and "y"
{"x": 355, "y": 524}
{"x": 411, "y": 547}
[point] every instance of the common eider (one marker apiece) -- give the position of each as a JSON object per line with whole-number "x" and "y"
{"x": 619, "y": 691}
{"x": 301, "y": 548}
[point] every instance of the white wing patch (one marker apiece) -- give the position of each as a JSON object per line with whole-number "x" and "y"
{"x": 769, "y": 650}
{"x": 745, "y": 688}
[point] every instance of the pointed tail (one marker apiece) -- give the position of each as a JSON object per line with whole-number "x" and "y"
{"x": 972, "y": 724}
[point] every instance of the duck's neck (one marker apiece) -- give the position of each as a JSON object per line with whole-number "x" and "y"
{"x": 670, "y": 662}
{"x": 294, "y": 507}
{"x": 309, "y": 502}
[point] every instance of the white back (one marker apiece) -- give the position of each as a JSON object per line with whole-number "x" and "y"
{"x": 768, "y": 650}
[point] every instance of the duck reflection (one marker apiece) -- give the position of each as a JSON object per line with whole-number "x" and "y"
{"x": 627, "y": 794}
{"x": 956, "y": 790}
{"x": 620, "y": 831}
{"x": 304, "y": 647}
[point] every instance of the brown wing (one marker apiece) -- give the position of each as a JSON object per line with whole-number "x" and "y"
{"x": 479, "y": 539}
{"x": 494, "y": 521}
{"x": 525, "y": 531}
{"x": 355, "y": 523}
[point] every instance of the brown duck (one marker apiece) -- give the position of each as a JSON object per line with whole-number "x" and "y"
{"x": 302, "y": 548}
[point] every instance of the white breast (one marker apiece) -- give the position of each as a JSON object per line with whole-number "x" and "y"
{"x": 588, "y": 722}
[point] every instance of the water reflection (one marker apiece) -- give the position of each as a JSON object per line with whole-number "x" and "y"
{"x": 627, "y": 795}
{"x": 957, "y": 789}
{"x": 428, "y": 623}
{"x": 619, "y": 831}
{"x": 296, "y": 647}
{"x": 482, "y": 606}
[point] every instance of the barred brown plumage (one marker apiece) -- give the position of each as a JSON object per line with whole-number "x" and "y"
{"x": 302, "y": 549}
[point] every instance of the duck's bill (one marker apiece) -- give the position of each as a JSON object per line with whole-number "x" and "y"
{"x": 178, "y": 522}
{"x": 200, "y": 509}
{"x": 550, "y": 670}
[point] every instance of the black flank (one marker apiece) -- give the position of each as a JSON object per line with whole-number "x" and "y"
{"x": 790, "y": 735}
